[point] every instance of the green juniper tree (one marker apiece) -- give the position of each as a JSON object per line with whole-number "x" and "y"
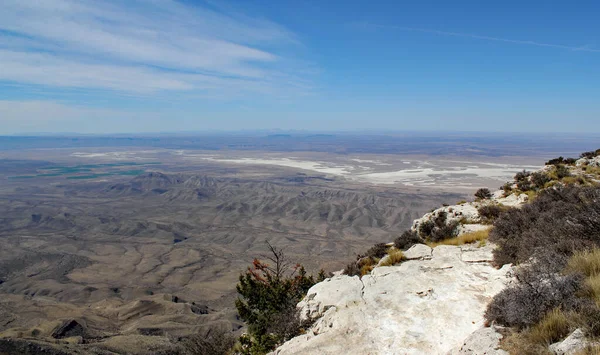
{"x": 268, "y": 294}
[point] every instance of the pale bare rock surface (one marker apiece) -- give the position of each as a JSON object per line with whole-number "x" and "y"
{"x": 425, "y": 306}
{"x": 571, "y": 345}
{"x": 484, "y": 341}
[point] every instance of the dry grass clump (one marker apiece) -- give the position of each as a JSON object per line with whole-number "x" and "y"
{"x": 589, "y": 350}
{"x": 586, "y": 262}
{"x": 574, "y": 180}
{"x": 518, "y": 343}
{"x": 393, "y": 258}
{"x": 592, "y": 170}
{"x": 466, "y": 238}
{"x": 366, "y": 265}
{"x": 552, "y": 328}
{"x": 555, "y": 326}
{"x": 592, "y": 284}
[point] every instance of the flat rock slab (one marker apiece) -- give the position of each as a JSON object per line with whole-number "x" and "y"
{"x": 418, "y": 251}
{"x": 422, "y": 306}
{"x": 484, "y": 341}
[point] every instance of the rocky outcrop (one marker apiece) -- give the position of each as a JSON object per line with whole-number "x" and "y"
{"x": 484, "y": 341}
{"x": 588, "y": 162}
{"x": 433, "y": 302}
{"x": 571, "y": 345}
{"x": 428, "y": 305}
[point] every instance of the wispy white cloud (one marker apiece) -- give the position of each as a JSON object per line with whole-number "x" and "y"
{"x": 584, "y": 48}
{"x": 141, "y": 47}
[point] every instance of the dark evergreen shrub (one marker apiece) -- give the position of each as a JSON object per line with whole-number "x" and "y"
{"x": 524, "y": 185}
{"x": 539, "y": 180}
{"x": 268, "y": 294}
{"x": 522, "y": 175}
{"x": 489, "y": 213}
{"x": 352, "y": 269}
{"x": 407, "y": 240}
{"x": 445, "y": 231}
{"x": 425, "y": 228}
{"x": 591, "y": 154}
{"x": 483, "y": 193}
{"x": 379, "y": 250}
{"x": 562, "y": 171}
{"x": 561, "y": 160}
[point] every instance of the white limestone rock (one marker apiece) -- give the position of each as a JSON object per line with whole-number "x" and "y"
{"x": 571, "y": 345}
{"x": 513, "y": 200}
{"x": 418, "y": 251}
{"x": 467, "y": 211}
{"x": 471, "y": 253}
{"x": 338, "y": 291}
{"x": 424, "y": 306}
{"x": 484, "y": 341}
{"x": 588, "y": 161}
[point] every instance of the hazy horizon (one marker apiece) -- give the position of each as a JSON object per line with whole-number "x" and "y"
{"x": 116, "y": 67}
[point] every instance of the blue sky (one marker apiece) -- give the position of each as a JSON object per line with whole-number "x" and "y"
{"x": 159, "y": 65}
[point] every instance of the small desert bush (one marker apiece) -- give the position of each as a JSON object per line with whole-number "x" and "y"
{"x": 524, "y": 185}
{"x": 438, "y": 228}
{"x": 443, "y": 232}
{"x": 561, "y": 160}
{"x": 362, "y": 266}
{"x": 591, "y": 154}
{"x": 352, "y": 269}
{"x": 561, "y": 220}
{"x": 377, "y": 251}
{"x": 407, "y": 240}
{"x": 556, "y": 239}
{"x": 540, "y": 288}
{"x": 489, "y": 213}
{"x": 393, "y": 258}
{"x": 562, "y": 171}
{"x": 483, "y": 194}
{"x": 539, "y": 180}
{"x": 365, "y": 263}
{"x": 522, "y": 175}
{"x": 425, "y": 228}
{"x": 461, "y": 202}
{"x": 466, "y": 238}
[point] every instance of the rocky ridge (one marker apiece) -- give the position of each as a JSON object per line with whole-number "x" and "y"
{"x": 432, "y": 303}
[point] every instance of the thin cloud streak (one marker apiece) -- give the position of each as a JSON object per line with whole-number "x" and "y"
{"x": 584, "y": 48}
{"x": 142, "y": 46}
